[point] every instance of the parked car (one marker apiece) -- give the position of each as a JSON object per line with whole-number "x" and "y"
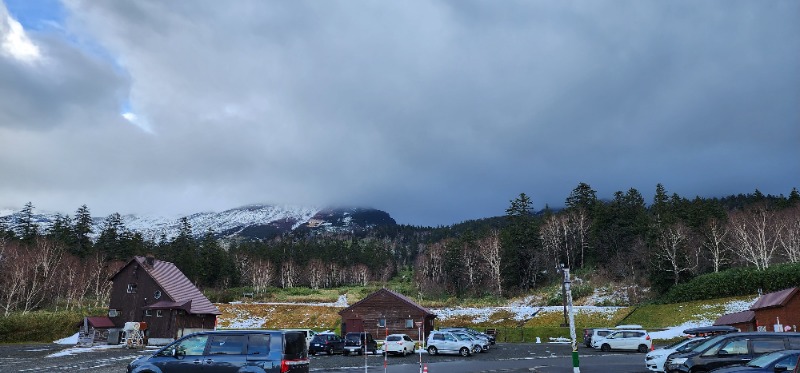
{"x": 359, "y": 343}
{"x": 490, "y": 338}
{"x": 635, "y": 340}
{"x": 442, "y": 342}
{"x": 328, "y": 343}
{"x": 478, "y": 345}
{"x": 730, "y": 349}
{"x": 594, "y": 333}
{"x": 399, "y": 344}
{"x": 778, "y": 361}
{"x": 307, "y": 333}
{"x": 657, "y": 359}
{"x": 244, "y": 350}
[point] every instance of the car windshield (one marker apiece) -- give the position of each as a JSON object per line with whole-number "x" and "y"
{"x": 689, "y": 346}
{"x": 318, "y": 338}
{"x": 678, "y": 344}
{"x": 764, "y": 360}
{"x": 353, "y": 337}
{"x": 463, "y": 336}
{"x": 709, "y": 342}
{"x": 393, "y": 338}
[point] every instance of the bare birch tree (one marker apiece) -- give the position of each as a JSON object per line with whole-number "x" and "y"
{"x": 754, "y": 236}
{"x": 716, "y": 235}
{"x": 789, "y": 239}
{"x": 489, "y": 247}
{"x": 673, "y": 248}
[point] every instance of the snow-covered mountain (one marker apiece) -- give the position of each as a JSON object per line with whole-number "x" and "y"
{"x": 248, "y": 222}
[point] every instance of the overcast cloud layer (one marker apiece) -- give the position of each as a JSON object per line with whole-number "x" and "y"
{"x": 434, "y": 111}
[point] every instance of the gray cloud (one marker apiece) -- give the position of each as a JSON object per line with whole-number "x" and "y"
{"x": 436, "y": 112}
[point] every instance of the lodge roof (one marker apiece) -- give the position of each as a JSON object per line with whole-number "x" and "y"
{"x": 176, "y": 286}
{"x": 774, "y": 299}
{"x": 736, "y": 318}
{"x": 399, "y": 296}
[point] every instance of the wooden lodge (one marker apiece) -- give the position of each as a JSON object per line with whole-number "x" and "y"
{"x": 387, "y": 312}
{"x": 160, "y": 295}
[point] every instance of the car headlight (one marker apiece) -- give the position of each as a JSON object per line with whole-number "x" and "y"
{"x": 654, "y": 356}
{"x": 678, "y": 360}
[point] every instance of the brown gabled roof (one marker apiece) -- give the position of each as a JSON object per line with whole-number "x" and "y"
{"x": 176, "y": 286}
{"x": 402, "y": 297}
{"x": 99, "y": 322}
{"x": 774, "y": 299}
{"x": 736, "y": 318}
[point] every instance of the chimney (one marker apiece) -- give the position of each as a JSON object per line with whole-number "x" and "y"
{"x": 150, "y": 260}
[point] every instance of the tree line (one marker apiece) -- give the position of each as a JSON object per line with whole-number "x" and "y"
{"x": 666, "y": 242}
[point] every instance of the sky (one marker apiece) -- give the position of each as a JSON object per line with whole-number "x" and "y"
{"x": 436, "y": 112}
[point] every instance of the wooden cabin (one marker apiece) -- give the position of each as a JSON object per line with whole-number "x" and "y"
{"x": 158, "y": 293}
{"x": 745, "y": 321}
{"x": 780, "y": 309}
{"x": 387, "y": 312}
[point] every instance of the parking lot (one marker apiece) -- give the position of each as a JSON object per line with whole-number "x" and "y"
{"x": 509, "y": 357}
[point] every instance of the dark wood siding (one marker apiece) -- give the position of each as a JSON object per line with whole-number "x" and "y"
{"x": 383, "y": 305}
{"x": 131, "y": 305}
{"x": 789, "y": 314}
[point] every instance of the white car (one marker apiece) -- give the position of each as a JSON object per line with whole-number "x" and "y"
{"x": 635, "y": 340}
{"x": 440, "y": 342}
{"x": 657, "y": 359}
{"x": 399, "y": 344}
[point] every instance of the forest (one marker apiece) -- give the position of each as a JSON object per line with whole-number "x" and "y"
{"x": 657, "y": 245}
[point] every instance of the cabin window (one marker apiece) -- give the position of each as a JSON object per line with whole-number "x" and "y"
{"x": 131, "y": 288}
{"x": 409, "y": 324}
{"x": 148, "y": 312}
{"x": 113, "y": 313}
{"x": 381, "y": 323}
{"x": 157, "y": 294}
{"x": 158, "y": 313}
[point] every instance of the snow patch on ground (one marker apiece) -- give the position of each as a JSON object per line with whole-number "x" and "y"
{"x": 71, "y": 340}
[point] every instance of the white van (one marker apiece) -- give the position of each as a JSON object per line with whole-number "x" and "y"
{"x": 308, "y": 333}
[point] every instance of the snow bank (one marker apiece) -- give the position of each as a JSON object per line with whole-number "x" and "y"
{"x": 71, "y": 340}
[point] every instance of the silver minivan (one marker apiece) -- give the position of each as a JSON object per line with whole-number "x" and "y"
{"x": 440, "y": 342}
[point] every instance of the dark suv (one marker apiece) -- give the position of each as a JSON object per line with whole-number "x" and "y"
{"x": 328, "y": 343}
{"x": 359, "y": 343}
{"x": 730, "y": 349}
{"x": 262, "y": 351}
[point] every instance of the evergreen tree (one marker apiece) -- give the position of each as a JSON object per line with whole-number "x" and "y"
{"x": 214, "y": 265}
{"x": 26, "y": 225}
{"x": 113, "y": 240}
{"x": 520, "y": 264}
{"x": 83, "y": 229}
{"x": 582, "y": 197}
{"x": 61, "y": 231}
{"x": 183, "y": 251}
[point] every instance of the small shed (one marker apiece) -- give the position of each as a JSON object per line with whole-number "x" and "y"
{"x": 744, "y": 320}
{"x": 94, "y": 329}
{"x": 387, "y": 312}
{"x": 778, "y": 310}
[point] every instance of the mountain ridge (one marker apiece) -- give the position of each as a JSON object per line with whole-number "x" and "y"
{"x": 253, "y": 221}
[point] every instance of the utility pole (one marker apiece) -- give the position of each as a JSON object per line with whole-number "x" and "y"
{"x": 575, "y": 363}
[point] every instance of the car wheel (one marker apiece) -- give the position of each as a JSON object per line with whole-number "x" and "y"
{"x": 464, "y": 351}
{"x": 330, "y": 351}
{"x": 432, "y": 350}
{"x": 642, "y": 348}
{"x": 312, "y": 352}
{"x": 605, "y": 347}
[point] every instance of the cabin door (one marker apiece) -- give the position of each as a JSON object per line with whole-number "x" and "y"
{"x": 354, "y": 325}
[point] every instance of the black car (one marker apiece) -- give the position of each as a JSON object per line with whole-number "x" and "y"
{"x": 359, "y": 343}
{"x": 778, "y": 361}
{"x": 328, "y": 343}
{"x": 262, "y": 351}
{"x": 730, "y": 349}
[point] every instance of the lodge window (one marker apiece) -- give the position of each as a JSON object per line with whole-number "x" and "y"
{"x": 148, "y": 312}
{"x": 381, "y": 323}
{"x": 158, "y": 313}
{"x": 409, "y": 324}
{"x": 131, "y": 288}
{"x": 113, "y": 313}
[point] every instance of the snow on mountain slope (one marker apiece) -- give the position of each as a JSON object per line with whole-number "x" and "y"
{"x": 252, "y": 221}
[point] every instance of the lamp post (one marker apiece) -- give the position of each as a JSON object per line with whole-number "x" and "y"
{"x": 568, "y": 291}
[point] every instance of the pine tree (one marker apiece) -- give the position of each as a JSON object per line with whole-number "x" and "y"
{"x": 83, "y": 228}
{"x": 26, "y": 225}
{"x": 519, "y": 245}
{"x": 61, "y": 231}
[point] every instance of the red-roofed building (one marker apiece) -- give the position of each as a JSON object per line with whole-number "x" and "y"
{"x": 158, "y": 293}
{"x": 780, "y": 307}
{"x": 387, "y": 312}
{"x": 744, "y": 320}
